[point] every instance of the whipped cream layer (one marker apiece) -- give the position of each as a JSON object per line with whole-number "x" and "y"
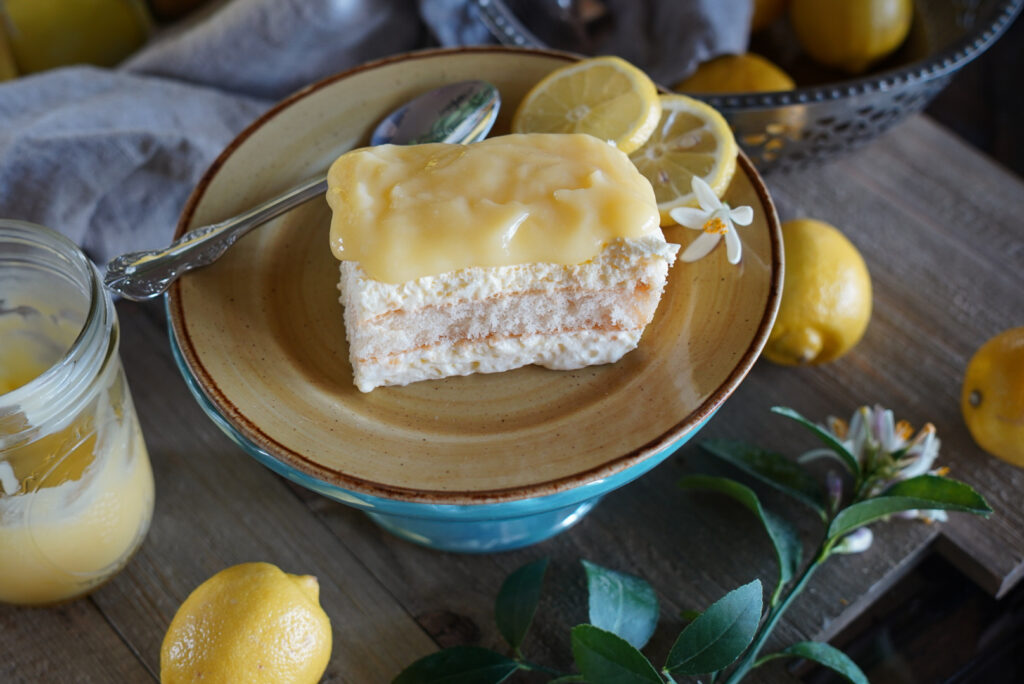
{"x": 492, "y": 319}
{"x": 613, "y": 266}
{"x": 557, "y": 351}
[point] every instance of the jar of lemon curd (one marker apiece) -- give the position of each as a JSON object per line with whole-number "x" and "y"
{"x": 76, "y": 489}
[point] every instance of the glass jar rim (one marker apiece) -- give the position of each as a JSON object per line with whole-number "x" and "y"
{"x": 84, "y": 359}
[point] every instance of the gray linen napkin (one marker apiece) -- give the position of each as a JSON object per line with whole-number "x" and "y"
{"x": 108, "y": 157}
{"x": 666, "y": 38}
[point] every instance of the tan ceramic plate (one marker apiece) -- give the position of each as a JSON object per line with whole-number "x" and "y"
{"x": 261, "y": 330}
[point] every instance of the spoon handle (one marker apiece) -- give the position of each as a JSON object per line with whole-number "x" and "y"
{"x": 455, "y": 113}
{"x": 143, "y": 275}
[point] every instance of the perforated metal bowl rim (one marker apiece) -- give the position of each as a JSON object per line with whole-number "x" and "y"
{"x": 944, "y": 63}
{"x": 503, "y": 24}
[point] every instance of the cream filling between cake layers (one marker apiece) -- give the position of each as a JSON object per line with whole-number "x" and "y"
{"x": 492, "y": 319}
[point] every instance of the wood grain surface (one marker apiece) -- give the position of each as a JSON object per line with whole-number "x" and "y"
{"x": 940, "y": 228}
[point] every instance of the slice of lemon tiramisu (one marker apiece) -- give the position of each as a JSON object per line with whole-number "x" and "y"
{"x": 521, "y": 249}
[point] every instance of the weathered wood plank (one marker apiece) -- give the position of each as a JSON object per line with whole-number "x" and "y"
{"x": 68, "y": 643}
{"x": 943, "y": 238}
{"x": 216, "y": 507}
{"x": 452, "y": 596}
{"x": 939, "y": 227}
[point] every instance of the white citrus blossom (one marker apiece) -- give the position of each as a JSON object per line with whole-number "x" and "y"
{"x": 857, "y": 541}
{"x": 888, "y": 451}
{"x": 715, "y": 218}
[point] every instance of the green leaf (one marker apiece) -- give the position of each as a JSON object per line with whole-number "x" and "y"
{"x": 689, "y": 615}
{"x": 621, "y": 604}
{"x": 722, "y": 632}
{"x": 784, "y": 537}
{"x": 925, "y": 492}
{"x": 459, "y": 665}
{"x": 773, "y": 469}
{"x": 823, "y": 654}
{"x": 842, "y": 453}
{"x": 606, "y": 658}
{"x": 517, "y": 601}
{"x": 942, "y": 489}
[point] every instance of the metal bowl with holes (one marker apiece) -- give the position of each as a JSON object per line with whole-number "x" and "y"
{"x": 829, "y": 114}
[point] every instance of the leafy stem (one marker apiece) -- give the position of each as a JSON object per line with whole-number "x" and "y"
{"x": 537, "y": 667}
{"x": 776, "y": 595}
{"x": 775, "y": 614}
{"x": 891, "y": 474}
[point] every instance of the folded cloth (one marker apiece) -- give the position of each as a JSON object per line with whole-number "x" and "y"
{"x": 270, "y": 48}
{"x": 108, "y": 157}
{"x": 666, "y": 38}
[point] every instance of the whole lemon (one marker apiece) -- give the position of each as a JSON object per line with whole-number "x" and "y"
{"x": 992, "y": 398}
{"x": 826, "y": 296}
{"x": 850, "y": 34}
{"x": 248, "y": 623}
{"x": 746, "y": 73}
{"x": 8, "y": 70}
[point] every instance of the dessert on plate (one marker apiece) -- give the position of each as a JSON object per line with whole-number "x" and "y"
{"x": 522, "y": 249}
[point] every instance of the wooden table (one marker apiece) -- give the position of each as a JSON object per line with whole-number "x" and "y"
{"x": 941, "y": 229}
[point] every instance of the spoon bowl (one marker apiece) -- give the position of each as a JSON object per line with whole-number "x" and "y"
{"x": 462, "y": 112}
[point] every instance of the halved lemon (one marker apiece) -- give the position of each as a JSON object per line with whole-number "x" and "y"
{"x": 691, "y": 139}
{"x": 606, "y": 97}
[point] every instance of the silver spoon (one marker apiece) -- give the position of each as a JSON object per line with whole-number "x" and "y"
{"x": 457, "y": 113}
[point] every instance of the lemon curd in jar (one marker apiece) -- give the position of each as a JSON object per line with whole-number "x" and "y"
{"x": 76, "y": 488}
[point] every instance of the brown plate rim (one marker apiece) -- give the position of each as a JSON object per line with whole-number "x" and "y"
{"x": 250, "y": 431}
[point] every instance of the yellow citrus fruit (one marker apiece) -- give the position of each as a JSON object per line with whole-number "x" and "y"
{"x": 850, "y": 34}
{"x": 691, "y": 139}
{"x": 606, "y": 97}
{"x": 826, "y": 296}
{"x": 992, "y": 398}
{"x": 766, "y": 12}
{"x": 44, "y": 34}
{"x": 8, "y": 70}
{"x": 747, "y": 73}
{"x": 248, "y": 623}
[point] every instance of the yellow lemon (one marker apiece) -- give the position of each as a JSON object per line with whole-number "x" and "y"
{"x": 8, "y": 70}
{"x": 850, "y": 34}
{"x": 992, "y": 398}
{"x": 766, "y": 12}
{"x": 691, "y": 139}
{"x": 45, "y": 34}
{"x": 248, "y": 623}
{"x": 606, "y": 97}
{"x": 747, "y": 73}
{"x": 826, "y": 296}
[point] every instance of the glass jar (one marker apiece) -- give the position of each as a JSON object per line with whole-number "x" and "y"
{"x": 76, "y": 488}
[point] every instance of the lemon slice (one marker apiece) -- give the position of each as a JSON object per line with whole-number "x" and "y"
{"x": 606, "y": 97}
{"x": 691, "y": 139}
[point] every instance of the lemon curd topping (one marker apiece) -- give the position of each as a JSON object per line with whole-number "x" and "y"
{"x": 404, "y": 212}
